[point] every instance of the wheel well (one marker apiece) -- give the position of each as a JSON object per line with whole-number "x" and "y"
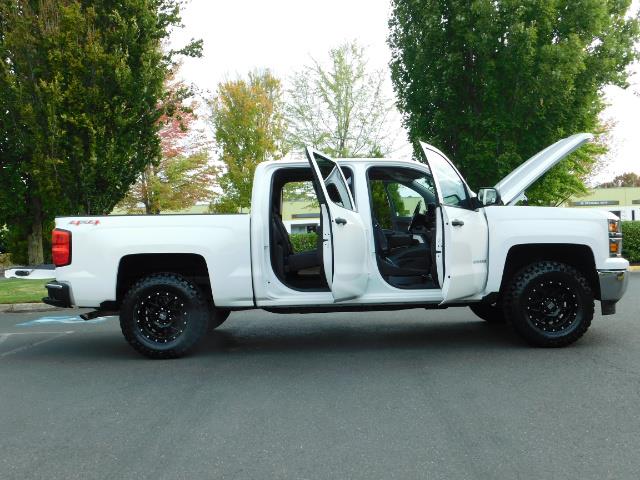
{"x": 134, "y": 267}
{"x": 578, "y": 256}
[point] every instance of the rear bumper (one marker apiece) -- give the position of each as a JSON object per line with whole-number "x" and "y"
{"x": 58, "y": 295}
{"x": 613, "y": 284}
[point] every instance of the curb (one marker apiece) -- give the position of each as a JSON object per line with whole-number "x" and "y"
{"x": 27, "y": 307}
{"x": 634, "y": 268}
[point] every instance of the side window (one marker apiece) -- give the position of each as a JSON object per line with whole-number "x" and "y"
{"x": 404, "y": 199}
{"x": 395, "y": 193}
{"x": 380, "y": 204}
{"x": 299, "y": 207}
{"x": 451, "y": 185}
{"x": 391, "y": 200}
{"x": 334, "y": 182}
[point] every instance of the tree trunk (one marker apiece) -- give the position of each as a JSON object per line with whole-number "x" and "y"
{"x": 34, "y": 239}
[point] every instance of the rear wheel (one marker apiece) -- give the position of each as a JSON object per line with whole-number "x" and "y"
{"x": 489, "y": 312}
{"x": 549, "y": 304}
{"x": 164, "y": 316}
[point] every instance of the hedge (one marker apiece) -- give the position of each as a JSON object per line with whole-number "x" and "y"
{"x": 631, "y": 241}
{"x": 303, "y": 242}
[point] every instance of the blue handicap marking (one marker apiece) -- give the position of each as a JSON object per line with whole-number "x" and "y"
{"x": 60, "y": 320}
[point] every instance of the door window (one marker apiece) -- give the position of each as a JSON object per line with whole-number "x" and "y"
{"x": 391, "y": 200}
{"x": 395, "y": 193}
{"x": 334, "y": 182}
{"x": 453, "y": 189}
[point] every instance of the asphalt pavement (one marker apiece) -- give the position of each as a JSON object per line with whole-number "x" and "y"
{"x": 389, "y": 395}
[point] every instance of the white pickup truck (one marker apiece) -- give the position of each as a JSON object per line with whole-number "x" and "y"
{"x": 392, "y": 235}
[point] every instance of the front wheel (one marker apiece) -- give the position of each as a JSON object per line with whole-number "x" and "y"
{"x": 549, "y": 304}
{"x": 164, "y": 316}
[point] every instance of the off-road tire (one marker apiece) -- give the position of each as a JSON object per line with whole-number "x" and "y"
{"x": 217, "y": 317}
{"x": 492, "y": 313}
{"x": 144, "y": 329}
{"x": 549, "y": 304}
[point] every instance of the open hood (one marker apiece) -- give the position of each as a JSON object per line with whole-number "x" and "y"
{"x": 513, "y": 185}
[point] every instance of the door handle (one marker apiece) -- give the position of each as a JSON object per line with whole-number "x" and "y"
{"x": 457, "y": 223}
{"x": 341, "y": 221}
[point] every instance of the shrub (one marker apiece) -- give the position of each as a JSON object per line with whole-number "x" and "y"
{"x": 303, "y": 242}
{"x": 631, "y": 241}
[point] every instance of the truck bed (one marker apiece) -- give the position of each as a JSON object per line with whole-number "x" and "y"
{"x": 100, "y": 243}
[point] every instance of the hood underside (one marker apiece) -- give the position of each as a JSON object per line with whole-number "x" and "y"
{"x": 513, "y": 185}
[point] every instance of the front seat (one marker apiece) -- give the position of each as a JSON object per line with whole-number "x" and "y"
{"x": 284, "y": 257}
{"x": 417, "y": 257}
{"x": 404, "y": 262}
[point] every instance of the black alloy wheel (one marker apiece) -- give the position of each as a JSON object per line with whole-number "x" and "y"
{"x": 549, "y": 304}
{"x": 161, "y": 316}
{"x": 552, "y": 306}
{"x": 164, "y": 315}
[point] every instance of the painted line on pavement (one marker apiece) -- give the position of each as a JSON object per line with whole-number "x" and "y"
{"x": 51, "y": 320}
{"x": 25, "y": 347}
{"x": 28, "y": 333}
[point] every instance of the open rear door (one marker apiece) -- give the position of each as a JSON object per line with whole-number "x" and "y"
{"x": 344, "y": 239}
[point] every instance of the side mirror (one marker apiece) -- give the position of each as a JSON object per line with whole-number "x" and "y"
{"x": 488, "y": 196}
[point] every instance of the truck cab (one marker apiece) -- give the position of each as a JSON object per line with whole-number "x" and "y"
{"x": 381, "y": 240}
{"x": 392, "y": 234}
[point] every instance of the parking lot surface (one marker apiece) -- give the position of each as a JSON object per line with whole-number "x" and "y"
{"x": 406, "y": 394}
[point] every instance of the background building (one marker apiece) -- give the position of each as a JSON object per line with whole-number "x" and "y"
{"x": 621, "y": 201}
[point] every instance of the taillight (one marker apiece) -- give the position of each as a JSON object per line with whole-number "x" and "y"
{"x": 61, "y": 247}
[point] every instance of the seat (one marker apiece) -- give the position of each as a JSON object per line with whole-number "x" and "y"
{"x": 285, "y": 259}
{"x": 410, "y": 261}
{"x": 416, "y": 257}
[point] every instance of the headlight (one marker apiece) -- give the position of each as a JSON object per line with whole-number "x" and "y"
{"x": 615, "y": 238}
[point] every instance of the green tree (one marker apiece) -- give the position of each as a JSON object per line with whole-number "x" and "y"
{"x": 80, "y": 85}
{"x": 340, "y": 109}
{"x": 492, "y": 82}
{"x": 249, "y": 129}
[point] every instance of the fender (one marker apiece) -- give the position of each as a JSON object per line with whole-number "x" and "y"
{"x": 511, "y": 226}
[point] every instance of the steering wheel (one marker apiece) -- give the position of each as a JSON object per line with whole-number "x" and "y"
{"x": 414, "y": 218}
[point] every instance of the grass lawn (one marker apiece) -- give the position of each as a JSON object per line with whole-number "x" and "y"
{"x": 22, "y": 291}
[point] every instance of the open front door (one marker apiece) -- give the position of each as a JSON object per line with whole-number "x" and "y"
{"x": 465, "y": 233}
{"x": 344, "y": 240}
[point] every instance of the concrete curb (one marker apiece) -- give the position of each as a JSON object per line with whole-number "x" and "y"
{"x": 634, "y": 268}
{"x": 27, "y": 307}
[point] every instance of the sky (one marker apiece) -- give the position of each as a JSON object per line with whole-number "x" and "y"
{"x": 282, "y": 35}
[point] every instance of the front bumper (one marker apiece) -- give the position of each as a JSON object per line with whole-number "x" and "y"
{"x": 58, "y": 295}
{"x": 613, "y": 284}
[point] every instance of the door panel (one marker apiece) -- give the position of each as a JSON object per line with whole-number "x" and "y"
{"x": 344, "y": 236}
{"x": 465, "y": 254}
{"x": 466, "y": 234}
